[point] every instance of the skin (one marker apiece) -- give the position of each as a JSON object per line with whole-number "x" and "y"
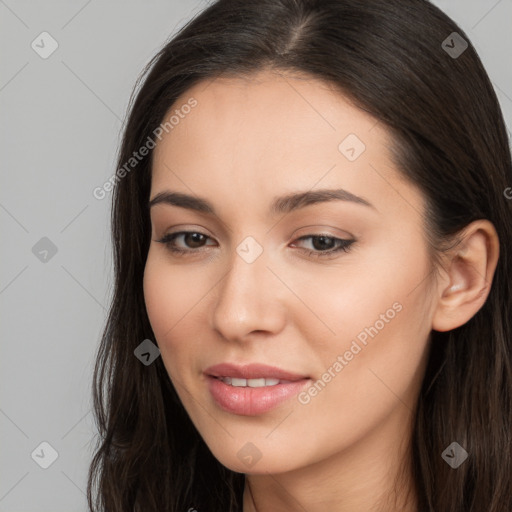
{"x": 247, "y": 141}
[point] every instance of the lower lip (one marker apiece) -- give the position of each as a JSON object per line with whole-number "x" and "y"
{"x": 247, "y": 401}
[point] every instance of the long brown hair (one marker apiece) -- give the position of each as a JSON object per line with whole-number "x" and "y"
{"x": 450, "y": 139}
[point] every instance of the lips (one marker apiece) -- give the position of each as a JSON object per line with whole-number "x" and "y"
{"x": 252, "y": 383}
{"x": 252, "y": 389}
{"x": 252, "y": 371}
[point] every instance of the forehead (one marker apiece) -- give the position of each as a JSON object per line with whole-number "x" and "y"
{"x": 282, "y": 110}
{"x": 252, "y": 136}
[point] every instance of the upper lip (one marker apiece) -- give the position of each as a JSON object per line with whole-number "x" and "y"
{"x": 251, "y": 371}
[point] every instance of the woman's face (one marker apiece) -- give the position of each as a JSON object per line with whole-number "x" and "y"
{"x": 261, "y": 282}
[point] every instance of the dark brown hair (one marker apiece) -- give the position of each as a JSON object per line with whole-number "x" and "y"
{"x": 449, "y": 139}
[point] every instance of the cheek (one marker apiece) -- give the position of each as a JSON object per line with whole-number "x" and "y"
{"x": 169, "y": 293}
{"x": 174, "y": 296}
{"x": 382, "y": 324}
{"x": 165, "y": 304}
{"x": 369, "y": 369}
{"x": 157, "y": 296}
{"x": 375, "y": 316}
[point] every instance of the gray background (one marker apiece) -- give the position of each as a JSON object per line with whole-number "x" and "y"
{"x": 61, "y": 123}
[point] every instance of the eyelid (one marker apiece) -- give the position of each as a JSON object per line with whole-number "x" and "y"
{"x": 322, "y": 230}
{"x": 342, "y": 245}
{"x": 312, "y": 230}
{"x": 194, "y": 228}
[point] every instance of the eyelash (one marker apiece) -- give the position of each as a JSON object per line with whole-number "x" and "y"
{"x": 343, "y": 244}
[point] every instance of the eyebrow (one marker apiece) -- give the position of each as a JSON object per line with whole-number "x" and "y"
{"x": 283, "y": 204}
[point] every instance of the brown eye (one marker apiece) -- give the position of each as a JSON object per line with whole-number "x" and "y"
{"x": 325, "y": 245}
{"x": 192, "y": 240}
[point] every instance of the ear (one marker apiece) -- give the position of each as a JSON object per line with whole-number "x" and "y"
{"x": 469, "y": 273}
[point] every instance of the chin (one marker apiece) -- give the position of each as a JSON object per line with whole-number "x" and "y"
{"x": 248, "y": 460}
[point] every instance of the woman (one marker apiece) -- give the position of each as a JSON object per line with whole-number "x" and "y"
{"x": 312, "y": 244}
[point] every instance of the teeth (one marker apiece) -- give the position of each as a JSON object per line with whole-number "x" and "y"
{"x": 252, "y": 383}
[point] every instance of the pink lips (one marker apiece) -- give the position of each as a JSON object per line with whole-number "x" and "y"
{"x": 248, "y": 401}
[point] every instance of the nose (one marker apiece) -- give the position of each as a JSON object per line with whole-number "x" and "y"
{"x": 250, "y": 298}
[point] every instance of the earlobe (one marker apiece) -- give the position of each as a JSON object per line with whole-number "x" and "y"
{"x": 469, "y": 277}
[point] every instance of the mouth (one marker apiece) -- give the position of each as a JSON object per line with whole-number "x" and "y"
{"x": 251, "y": 383}
{"x": 252, "y": 389}
{"x": 252, "y": 372}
